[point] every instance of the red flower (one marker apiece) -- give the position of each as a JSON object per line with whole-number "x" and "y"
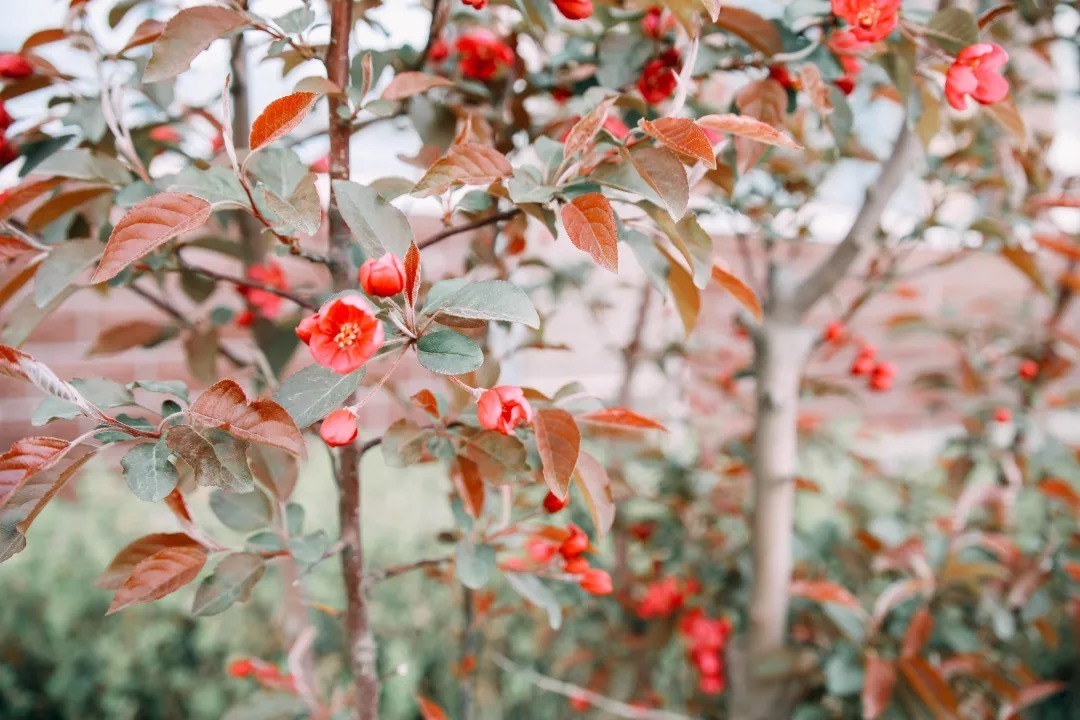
{"x": 165, "y": 134}
{"x": 241, "y": 668}
{"x": 343, "y": 335}
{"x": 502, "y": 408}
{"x": 14, "y": 67}
{"x": 707, "y": 661}
{"x": 574, "y": 9}
{"x": 576, "y": 543}
{"x": 656, "y": 23}
{"x": 267, "y": 303}
{"x": 475, "y": 4}
{"x": 596, "y": 581}
{"x": 976, "y": 72}
{"x": 482, "y": 54}
{"x": 870, "y": 20}
{"x": 383, "y": 277}
{"x": 8, "y": 152}
{"x": 439, "y": 51}
{"x": 846, "y": 47}
{"x": 5, "y": 118}
{"x": 1029, "y": 369}
{"x": 661, "y": 599}
{"x": 553, "y": 503}
{"x": 659, "y": 77}
{"x": 703, "y": 632}
{"x": 339, "y": 428}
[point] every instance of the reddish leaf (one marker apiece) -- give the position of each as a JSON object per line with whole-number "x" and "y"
{"x": 25, "y": 192}
{"x": 42, "y": 37}
{"x": 682, "y": 135}
{"x": 12, "y": 247}
{"x": 466, "y": 164}
{"x": 225, "y": 406}
{"x": 1060, "y": 244}
{"x": 595, "y": 486}
{"x": 409, "y": 83}
{"x": 158, "y": 575}
{"x": 665, "y": 174}
{"x": 280, "y": 117}
{"x": 27, "y": 457}
{"x": 179, "y": 507}
{"x": 135, "y": 552}
{"x": 137, "y": 333}
{"x": 918, "y": 633}
{"x": 749, "y": 127}
{"x": 425, "y": 400}
{"x": 1029, "y": 695}
{"x": 621, "y": 417}
{"x": 590, "y": 223}
{"x": 755, "y": 31}
{"x": 926, "y": 681}
{"x": 1024, "y": 261}
{"x": 17, "y": 364}
{"x": 558, "y": 440}
{"x": 585, "y": 129}
{"x": 765, "y": 100}
{"x": 429, "y": 710}
{"x": 187, "y": 34}
{"x": 27, "y": 500}
{"x": 412, "y": 274}
{"x": 815, "y": 88}
{"x": 61, "y": 204}
{"x": 743, "y": 293}
{"x": 470, "y": 486}
{"x": 823, "y": 591}
{"x": 147, "y": 226}
{"x": 147, "y": 32}
{"x": 878, "y": 687}
{"x": 1059, "y": 489}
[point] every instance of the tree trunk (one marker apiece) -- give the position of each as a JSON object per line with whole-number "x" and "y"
{"x": 781, "y": 348}
{"x": 252, "y": 240}
{"x": 359, "y": 640}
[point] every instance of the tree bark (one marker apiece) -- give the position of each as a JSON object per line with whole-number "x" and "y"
{"x": 252, "y": 241}
{"x": 359, "y": 640}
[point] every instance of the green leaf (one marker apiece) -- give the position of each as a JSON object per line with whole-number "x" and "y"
{"x": 148, "y": 471}
{"x": 376, "y": 225}
{"x": 311, "y": 548}
{"x": 499, "y": 458}
{"x": 232, "y": 581}
{"x": 216, "y": 185}
{"x": 296, "y": 21}
{"x": 65, "y": 263}
{"x": 483, "y": 300}
{"x": 280, "y": 169}
{"x": 449, "y": 353}
{"x": 243, "y": 513}
{"x": 218, "y": 459}
{"x": 84, "y": 164}
{"x": 312, "y": 393}
{"x": 953, "y": 29}
{"x": 532, "y": 589}
{"x": 403, "y": 443}
{"x": 474, "y": 563}
{"x": 302, "y": 210}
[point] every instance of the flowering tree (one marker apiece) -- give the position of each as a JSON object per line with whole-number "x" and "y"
{"x": 610, "y": 128}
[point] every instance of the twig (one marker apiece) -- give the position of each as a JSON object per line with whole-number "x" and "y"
{"x": 246, "y": 282}
{"x": 466, "y": 227}
{"x": 833, "y": 268}
{"x": 600, "y": 702}
{"x": 172, "y": 312}
{"x": 633, "y": 348}
{"x": 392, "y": 572}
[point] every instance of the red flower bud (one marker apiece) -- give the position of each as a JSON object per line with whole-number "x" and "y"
{"x": 575, "y": 544}
{"x": 577, "y": 566}
{"x": 14, "y": 67}
{"x": 834, "y": 331}
{"x": 475, "y": 4}
{"x": 574, "y": 9}
{"x": 862, "y": 366}
{"x": 659, "y": 77}
{"x": 1029, "y": 369}
{"x": 165, "y": 134}
{"x": 1002, "y": 415}
{"x": 553, "y": 503}
{"x": 241, "y": 668}
{"x": 596, "y": 582}
{"x": 383, "y": 277}
{"x": 5, "y": 118}
{"x": 339, "y": 428}
{"x": 439, "y": 51}
{"x": 502, "y": 408}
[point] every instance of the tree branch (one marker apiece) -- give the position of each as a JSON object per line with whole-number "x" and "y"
{"x": 600, "y": 702}
{"x": 246, "y": 282}
{"x": 175, "y": 314}
{"x": 833, "y": 268}
{"x": 466, "y": 227}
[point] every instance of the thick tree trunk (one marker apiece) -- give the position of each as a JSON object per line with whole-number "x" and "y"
{"x": 359, "y": 640}
{"x": 781, "y": 349}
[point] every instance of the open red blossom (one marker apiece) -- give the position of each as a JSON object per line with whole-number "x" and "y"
{"x": 14, "y": 66}
{"x": 265, "y": 302}
{"x": 482, "y": 54}
{"x": 596, "y": 582}
{"x": 977, "y": 73}
{"x": 870, "y": 20}
{"x": 5, "y": 118}
{"x": 502, "y": 408}
{"x": 343, "y": 335}
{"x": 574, "y": 9}
{"x": 339, "y": 428}
{"x": 661, "y": 599}
{"x": 383, "y": 277}
{"x": 659, "y": 77}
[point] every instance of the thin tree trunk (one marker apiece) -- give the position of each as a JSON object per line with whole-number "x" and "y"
{"x": 359, "y": 640}
{"x": 252, "y": 240}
